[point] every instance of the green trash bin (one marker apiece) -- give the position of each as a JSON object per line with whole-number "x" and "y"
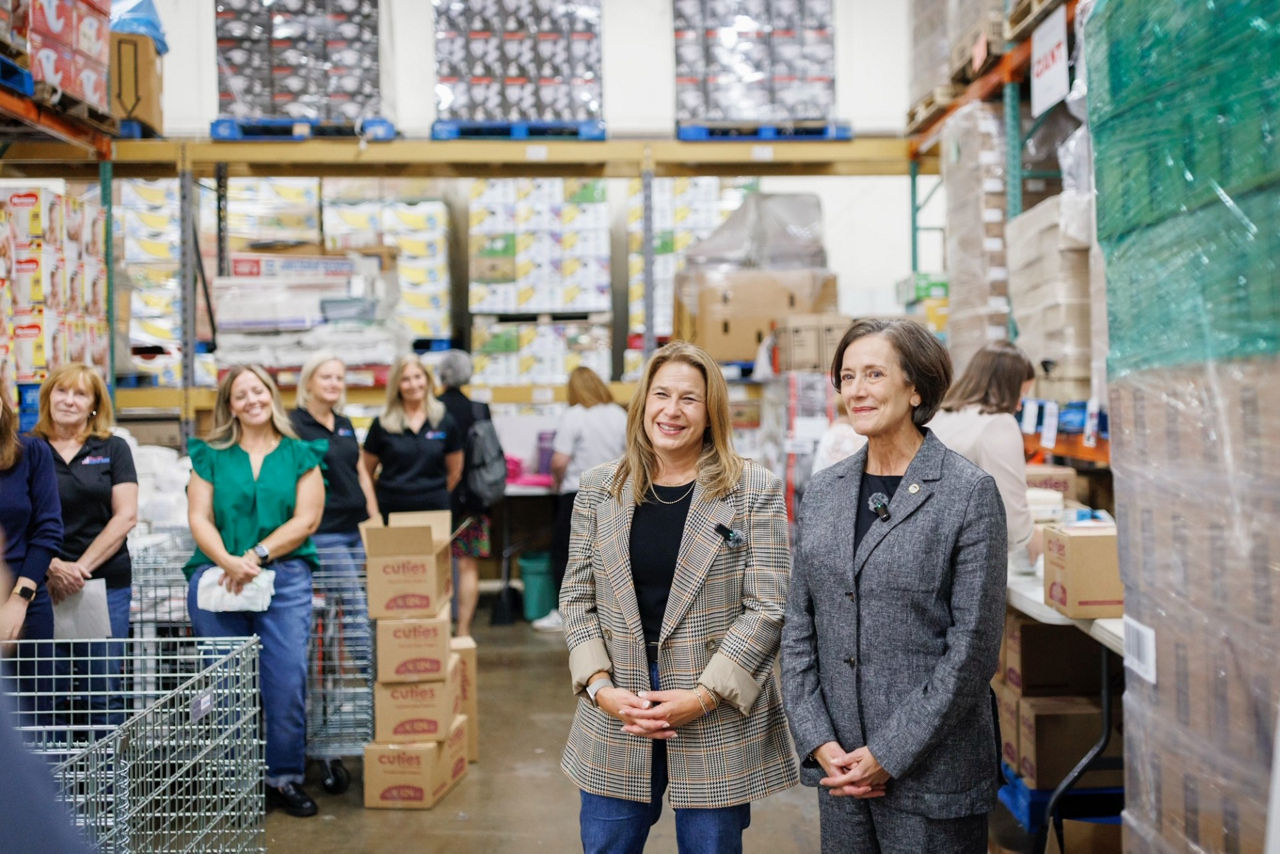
{"x": 539, "y": 585}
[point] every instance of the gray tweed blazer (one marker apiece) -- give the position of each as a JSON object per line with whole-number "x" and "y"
{"x": 893, "y": 647}
{"x": 721, "y": 627}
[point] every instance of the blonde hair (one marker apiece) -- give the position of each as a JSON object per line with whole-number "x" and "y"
{"x": 587, "y": 389}
{"x": 226, "y": 427}
{"x": 84, "y": 378}
{"x": 309, "y": 368}
{"x": 392, "y": 419}
{"x": 10, "y": 446}
{"x": 719, "y": 466}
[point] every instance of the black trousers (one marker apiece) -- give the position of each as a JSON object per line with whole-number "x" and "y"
{"x": 560, "y": 538}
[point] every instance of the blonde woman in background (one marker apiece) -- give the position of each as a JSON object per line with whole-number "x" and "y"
{"x": 592, "y": 431}
{"x": 413, "y": 451}
{"x": 256, "y": 496}
{"x": 98, "y": 488}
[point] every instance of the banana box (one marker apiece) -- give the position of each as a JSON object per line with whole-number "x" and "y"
{"x": 535, "y": 217}
{"x": 585, "y": 244}
{"x": 428, "y": 245}
{"x": 422, "y": 271}
{"x": 155, "y": 225}
{"x": 540, "y": 191}
{"x": 423, "y": 217}
{"x": 426, "y": 325}
{"x": 424, "y": 298}
{"x": 136, "y": 193}
{"x": 494, "y": 298}
{"x": 493, "y": 191}
{"x": 146, "y": 250}
{"x": 356, "y": 219}
{"x": 576, "y": 217}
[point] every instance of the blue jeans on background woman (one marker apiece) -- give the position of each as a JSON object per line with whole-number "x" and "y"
{"x": 618, "y": 826}
{"x": 284, "y": 629}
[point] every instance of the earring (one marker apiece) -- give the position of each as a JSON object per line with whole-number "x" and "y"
{"x": 93, "y": 414}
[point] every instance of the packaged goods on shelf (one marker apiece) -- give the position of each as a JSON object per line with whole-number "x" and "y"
{"x": 518, "y": 63}
{"x": 310, "y": 60}
{"x": 507, "y": 354}
{"x": 1049, "y": 289}
{"x": 752, "y": 63}
{"x": 798, "y": 408}
{"x": 1193, "y": 326}
{"x": 975, "y": 30}
{"x": 930, "y": 49}
{"x": 69, "y": 47}
{"x": 539, "y": 246}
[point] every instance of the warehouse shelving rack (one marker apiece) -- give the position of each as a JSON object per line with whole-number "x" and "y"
{"x": 190, "y": 160}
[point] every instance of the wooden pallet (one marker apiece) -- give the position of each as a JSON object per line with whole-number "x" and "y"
{"x": 1025, "y": 16}
{"x": 991, "y": 34}
{"x": 56, "y": 99}
{"x": 932, "y": 105}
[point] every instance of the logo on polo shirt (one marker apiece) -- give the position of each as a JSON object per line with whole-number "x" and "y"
{"x": 345, "y": 431}
{"x": 95, "y": 461}
{"x": 435, "y": 434}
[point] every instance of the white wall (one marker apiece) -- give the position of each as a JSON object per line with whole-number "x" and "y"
{"x": 867, "y": 219}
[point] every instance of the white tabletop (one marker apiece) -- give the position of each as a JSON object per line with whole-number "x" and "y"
{"x": 1026, "y": 594}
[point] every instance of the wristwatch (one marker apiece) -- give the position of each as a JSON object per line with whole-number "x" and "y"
{"x": 594, "y": 688}
{"x": 28, "y": 593}
{"x": 263, "y": 553}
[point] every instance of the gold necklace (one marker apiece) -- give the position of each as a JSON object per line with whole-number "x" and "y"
{"x": 653, "y": 490}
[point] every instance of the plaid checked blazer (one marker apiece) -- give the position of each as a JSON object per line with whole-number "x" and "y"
{"x": 722, "y": 627}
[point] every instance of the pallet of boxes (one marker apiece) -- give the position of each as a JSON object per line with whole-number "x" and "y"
{"x": 424, "y": 698}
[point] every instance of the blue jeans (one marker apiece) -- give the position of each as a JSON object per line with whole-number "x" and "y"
{"x": 91, "y": 670}
{"x": 342, "y": 556}
{"x": 283, "y": 629}
{"x": 618, "y": 826}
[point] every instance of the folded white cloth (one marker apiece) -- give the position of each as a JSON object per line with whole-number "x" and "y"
{"x": 211, "y": 595}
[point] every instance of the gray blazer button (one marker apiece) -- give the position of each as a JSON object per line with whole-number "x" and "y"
{"x": 853, "y": 661}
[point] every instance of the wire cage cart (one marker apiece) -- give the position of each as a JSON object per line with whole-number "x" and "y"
{"x": 340, "y": 657}
{"x": 154, "y": 743}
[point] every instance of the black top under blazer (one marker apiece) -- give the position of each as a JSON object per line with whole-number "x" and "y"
{"x": 894, "y": 647}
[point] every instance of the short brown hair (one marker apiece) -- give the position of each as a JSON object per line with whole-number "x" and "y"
{"x": 101, "y": 416}
{"x": 993, "y": 380}
{"x": 587, "y": 389}
{"x": 921, "y": 355}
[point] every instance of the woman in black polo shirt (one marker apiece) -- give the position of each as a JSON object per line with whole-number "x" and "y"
{"x": 414, "y": 448}
{"x": 99, "y": 491}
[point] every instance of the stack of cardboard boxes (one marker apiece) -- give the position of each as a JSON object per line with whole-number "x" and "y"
{"x": 424, "y": 695}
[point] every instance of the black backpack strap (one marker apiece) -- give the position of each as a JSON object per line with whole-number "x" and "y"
{"x": 480, "y": 411}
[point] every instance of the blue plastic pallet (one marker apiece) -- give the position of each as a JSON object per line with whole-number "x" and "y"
{"x": 447, "y": 129}
{"x": 134, "y": 129}
{"x": 432, "y": 345}
{"x": 16, "y": 78}
{"x": 763, "y": 132}
{"x": 379, "y": 130}
{"x": 1028, "y": 805}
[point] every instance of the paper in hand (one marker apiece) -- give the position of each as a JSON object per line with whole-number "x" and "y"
{"x": 83, "y": 615}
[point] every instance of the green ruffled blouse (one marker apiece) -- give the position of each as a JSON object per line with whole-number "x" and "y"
{"x": 246, "y": 510}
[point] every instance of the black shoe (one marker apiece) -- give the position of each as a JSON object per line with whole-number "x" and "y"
{"x": 292, "y": 800}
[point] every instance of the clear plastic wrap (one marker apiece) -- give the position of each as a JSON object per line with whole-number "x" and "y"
{"x": 770, "y": 230}
{"x": 299, "y": 59}
{"x": 930, "y": 48}
{"x": 518, "y": 60}
{"x": 1182, "y": 102}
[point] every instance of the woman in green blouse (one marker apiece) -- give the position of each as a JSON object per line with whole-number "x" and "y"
{"x": 255, "y": 497}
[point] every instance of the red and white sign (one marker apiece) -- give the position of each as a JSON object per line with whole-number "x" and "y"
{"x": 1050, "y": 78}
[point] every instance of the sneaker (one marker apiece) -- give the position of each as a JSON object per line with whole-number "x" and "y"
{"x": 553, "y": 622}
{"x": 292, "y": 799}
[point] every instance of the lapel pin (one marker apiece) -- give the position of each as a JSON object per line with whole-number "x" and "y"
{"x": 731, "y": 536}
{"x": 913, "y": 488}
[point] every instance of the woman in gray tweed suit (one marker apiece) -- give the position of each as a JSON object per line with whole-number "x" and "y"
{"x": 895, "y": 613}
{"x": 673, "y": 603}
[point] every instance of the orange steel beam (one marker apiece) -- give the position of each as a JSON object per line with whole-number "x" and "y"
{"x": 47, "y": 121}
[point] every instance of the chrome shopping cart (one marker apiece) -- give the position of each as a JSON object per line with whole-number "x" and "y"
{"x": 340, "y": 660}
{"x": 183, "y": 770}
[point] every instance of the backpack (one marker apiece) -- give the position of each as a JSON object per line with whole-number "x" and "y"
{"x": 484, "y": 474}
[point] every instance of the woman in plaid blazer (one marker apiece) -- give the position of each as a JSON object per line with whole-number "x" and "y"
{"x": 673, "y": 605}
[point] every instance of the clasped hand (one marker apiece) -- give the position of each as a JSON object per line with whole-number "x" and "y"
{"x": 65, "y": 578}
{"x": 239, "y": 571}
{"x": 857, "y": 774}
{"x": 650, "y": 714}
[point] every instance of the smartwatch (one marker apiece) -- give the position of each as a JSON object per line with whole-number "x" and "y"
{"x": 263, "y": 553}
{"x": 594, "y": 688}
{"x": 28, "y": 593}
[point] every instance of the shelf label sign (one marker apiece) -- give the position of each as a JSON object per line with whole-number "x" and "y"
{"x": 1049, "y": 427}
{"x": 1050, "y": 79}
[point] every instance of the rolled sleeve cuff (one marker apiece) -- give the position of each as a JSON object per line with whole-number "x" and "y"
{"x": 587, "y": 659}
{"x": 733, "y": 684}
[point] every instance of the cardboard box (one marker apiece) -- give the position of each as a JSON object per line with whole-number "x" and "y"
{"x": 1082, "y": 571}
{"x": 1043, "y": 660}
{"x": 802, "y": 340}
{"x": 137, "y": 80}
{"x": 415, "y": 776}
{"x": 413, "y": 650}
{"x": 1058, "y": 478}
{"x": 410, "y": 573}
{"x": 1054, "y": 733}
{"x": 466, "y": 650}
{"x": 1095, "y": 837}
{"x": 416, "y": 711}
{"x": 1007, "y": 704}
{"x": 728, "y": 313}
